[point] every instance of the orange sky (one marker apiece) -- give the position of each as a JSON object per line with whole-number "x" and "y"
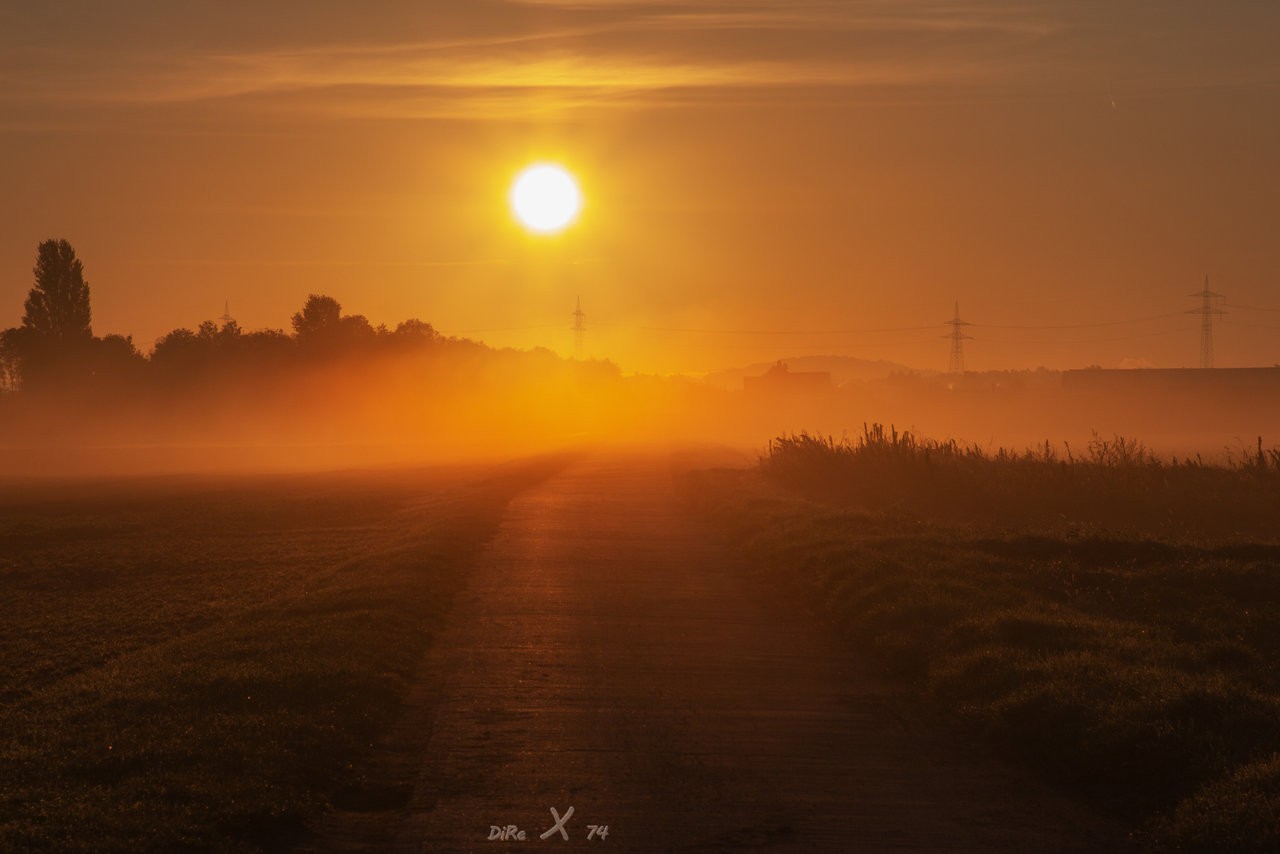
{"x": 749, "y": 167}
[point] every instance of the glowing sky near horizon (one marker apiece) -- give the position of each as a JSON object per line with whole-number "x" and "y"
{"x": 759, "y": 172}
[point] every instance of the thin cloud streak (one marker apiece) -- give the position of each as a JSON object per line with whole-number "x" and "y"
{"x": 561, "y": 81}
{"x": 307, "y": 262}
{"x": 886, "y": 18}
{"x": 614, "y": 54}
{"x": 592, "y": 54}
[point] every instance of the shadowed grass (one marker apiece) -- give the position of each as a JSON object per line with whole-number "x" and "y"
{"x": 209, "y": 685}
{"x": 1138, "y": 671}
{"x": 1115, "y": 485}
{"x": 1239, "y": 813}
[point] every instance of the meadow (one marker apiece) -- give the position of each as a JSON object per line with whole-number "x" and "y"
{"x": 1105, "y": 616}
{"x": 198, "y": 663}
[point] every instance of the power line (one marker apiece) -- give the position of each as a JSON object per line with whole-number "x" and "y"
{"x": 1073, "y": 341}
{"x": 1249, "y": 307}
{"x": 868, "y": 330}
{"x": 767, "y": 331}
{"x": 1234, "y": 323}
{"x": 784, "y": 332}
{"x": 1083, "y": 325}
{"x": 498, "y": 329}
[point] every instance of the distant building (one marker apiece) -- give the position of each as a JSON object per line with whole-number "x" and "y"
{"x": 780, "y": 379}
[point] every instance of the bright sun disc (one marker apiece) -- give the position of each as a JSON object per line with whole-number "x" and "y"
{"x": 545, "y": 198}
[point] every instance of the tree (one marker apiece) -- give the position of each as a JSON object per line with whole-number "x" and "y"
{"x": 118, "y": 348}
{"x": 57, "y": 309}
{"x": 178, "y": 349}
{"x": 356, "y": 329}
{"x": 415, "y": 331}
{"x": 319, "y": 318}
{"x": 55, "y": 344}
{"x": 116, "y": 360}
{"x": 267, "y": 349}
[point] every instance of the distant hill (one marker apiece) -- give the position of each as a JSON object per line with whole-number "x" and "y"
{"x": 843, "y": 369}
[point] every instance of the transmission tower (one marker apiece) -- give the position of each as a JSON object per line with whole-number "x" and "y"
{"x": 958, "y": 338}
{"x": 226, "y": 313}
{"x": 1209, "y": 302}
{"x": 579, "y": 329}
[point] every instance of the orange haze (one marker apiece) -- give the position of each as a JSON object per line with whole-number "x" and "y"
{"x": 759, "y": 175}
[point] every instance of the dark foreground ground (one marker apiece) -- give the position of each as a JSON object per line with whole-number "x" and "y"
{"x": 403, "y": 661}
{"x": 194, "y": 663}
{"x": 608, "y": 655}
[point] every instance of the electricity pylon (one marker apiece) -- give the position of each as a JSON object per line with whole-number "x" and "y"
{"x": 1207, "y": 310}
{"x": 958, "y": 338}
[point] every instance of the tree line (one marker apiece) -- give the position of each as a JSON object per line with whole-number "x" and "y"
{"x": 55, "y": 347}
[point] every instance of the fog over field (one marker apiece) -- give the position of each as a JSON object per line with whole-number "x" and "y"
{"x": 337, "y": 392}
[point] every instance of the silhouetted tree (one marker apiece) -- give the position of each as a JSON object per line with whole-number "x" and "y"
{"x": 54, "y": 343}
{"x": 224, "y": 337}
{"x": 414, "y": 330}
{"x": 175, "y": 347}
{"x": 57, "y": 309}
{"x": 116, "y": 360}
{"x": 208, "y": 345}
{"x": 356, "y": 330}
{"x": 319, "y": 318}
{"x": 118, "y": 347}
{"x": 266, "y": 349}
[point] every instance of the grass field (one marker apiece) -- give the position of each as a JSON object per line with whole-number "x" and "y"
{"x": 1111, "y": 619}
{"x": 197, "y": 663}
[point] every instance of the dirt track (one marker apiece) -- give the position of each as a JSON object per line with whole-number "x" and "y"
{"x": 609, "y": 656}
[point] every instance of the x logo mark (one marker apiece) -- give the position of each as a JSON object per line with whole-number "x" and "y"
{"x": 559, "y": 825}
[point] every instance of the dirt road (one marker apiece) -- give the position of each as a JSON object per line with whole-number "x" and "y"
{"x": 609, "y": 657}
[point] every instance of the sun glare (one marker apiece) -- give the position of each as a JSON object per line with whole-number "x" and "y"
{"x": 545, "y": 198}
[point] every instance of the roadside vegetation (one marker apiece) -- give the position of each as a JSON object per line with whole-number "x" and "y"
{"x": 198, "y": 664}
{"x": 1106, "y": 616}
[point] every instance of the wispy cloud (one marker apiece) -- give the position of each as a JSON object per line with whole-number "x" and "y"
{"x": 614, "y": 60}
{"x": 527, "y": 56}
{"x": 880, "y": 15}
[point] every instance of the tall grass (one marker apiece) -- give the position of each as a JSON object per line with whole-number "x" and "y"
{"x": 1114, "y": 484}
{"x": 1106, "y": 616}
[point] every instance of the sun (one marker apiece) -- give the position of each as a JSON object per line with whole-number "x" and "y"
{"x": 545, "y": 198}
